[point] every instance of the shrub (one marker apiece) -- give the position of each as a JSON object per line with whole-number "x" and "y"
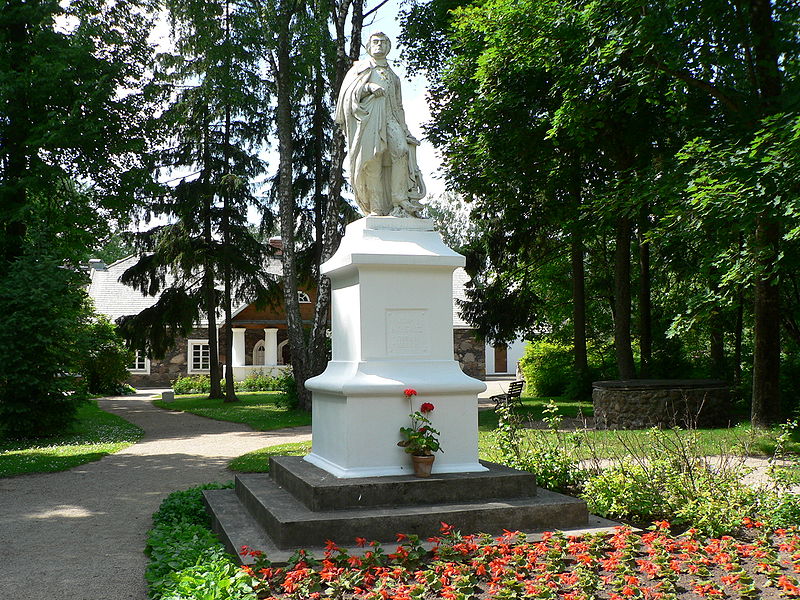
{"x": 547, "y": 368}
{"x": 285, "y": 384}
{"x": 259, "y": 382}
{"x": 668, "y": 477}
{"x": 187, "y": 561}
{"x": 43, "y": 310}
{"x": 551, "y": 456}
{"x": 105, "y": 359}
{"x": 186, "y": 506}
{"x": 193, "y": 384}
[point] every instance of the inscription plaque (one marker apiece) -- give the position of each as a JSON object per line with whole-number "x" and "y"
{"x": 407, "y": 332}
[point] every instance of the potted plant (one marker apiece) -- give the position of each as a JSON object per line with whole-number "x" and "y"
{"x": 421, "y": 439}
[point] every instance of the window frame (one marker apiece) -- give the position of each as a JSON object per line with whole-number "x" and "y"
{"x": 138, "y": 354}
{"x": 190, "y": 344}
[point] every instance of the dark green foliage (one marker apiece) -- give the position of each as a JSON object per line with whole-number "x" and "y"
{"x": 254, "y": 382}
{"x": 104, "y": 358}
{"x": 289, "y": 398}
{"x": 548, "y": 370}
{"x": 186, "y": 506}
{"x": 192, "y": 384}
{"x": 186, "y": 558}
{"x": 42, "y": 312}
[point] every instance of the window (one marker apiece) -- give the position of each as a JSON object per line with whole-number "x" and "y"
{"x": 140, "y": 363}
{"x": 258, "y": 353}
{"x": 303, "y": 298}
{"x": 199, "y": 356}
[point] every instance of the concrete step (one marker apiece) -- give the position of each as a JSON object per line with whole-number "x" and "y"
{"x": 290, "y": 524}
{"x": 319, "y": 490}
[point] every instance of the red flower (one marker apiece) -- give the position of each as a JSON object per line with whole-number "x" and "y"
{"x": 361, "y": 542}
{"x": 426, "y": 407}
{"x": 410, "y": 392}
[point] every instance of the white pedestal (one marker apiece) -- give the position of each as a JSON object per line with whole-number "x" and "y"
{"x": 392, "y": 329}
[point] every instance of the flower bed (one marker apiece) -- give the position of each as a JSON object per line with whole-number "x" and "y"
{"x": 655, "y": 564}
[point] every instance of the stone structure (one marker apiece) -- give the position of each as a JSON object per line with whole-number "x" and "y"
{"x": 391, "y": 320}
{"x": 381, "y": 150}
{"x": 469, "y": 353}
{"x": 639, "y": 404}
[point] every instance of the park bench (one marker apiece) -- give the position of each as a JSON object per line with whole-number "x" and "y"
{"x": 511, "y": 398}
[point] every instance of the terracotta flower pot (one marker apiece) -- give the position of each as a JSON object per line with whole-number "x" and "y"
{"x": 422, "y": 465}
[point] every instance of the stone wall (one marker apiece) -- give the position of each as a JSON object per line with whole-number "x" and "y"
{"x": 640, "y": 404}
{"x": 174, "y": 364}
{"x": 470, "y": 353}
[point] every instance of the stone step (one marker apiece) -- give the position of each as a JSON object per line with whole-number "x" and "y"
{"x": 319, "y": 490}
{"x": 290, "y": 524}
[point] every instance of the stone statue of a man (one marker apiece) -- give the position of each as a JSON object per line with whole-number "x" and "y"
{"x": 382, "y": 152}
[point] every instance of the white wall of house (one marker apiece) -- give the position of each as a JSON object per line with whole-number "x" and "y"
{"x": 514, "y": 353}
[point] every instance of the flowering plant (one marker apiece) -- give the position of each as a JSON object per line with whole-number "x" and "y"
{"x": 421, "y": 438}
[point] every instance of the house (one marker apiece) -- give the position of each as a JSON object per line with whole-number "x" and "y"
{"x": 259, "y": 335}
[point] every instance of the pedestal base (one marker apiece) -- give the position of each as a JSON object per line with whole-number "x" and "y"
{"x": 301, "y": 506}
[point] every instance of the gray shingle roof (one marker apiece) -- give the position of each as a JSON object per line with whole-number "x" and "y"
{"x": 113, "y": 298}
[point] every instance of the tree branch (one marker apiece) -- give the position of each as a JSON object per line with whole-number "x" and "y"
{"x": 710, "y": 89}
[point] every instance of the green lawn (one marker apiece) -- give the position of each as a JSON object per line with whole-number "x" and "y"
{"x": 95, "y": 435}
{"x": 594, "y": 444}
{"x": 258, "y": 460}
{"x": 532, "y": 410}
{"x": 256, "y": 409}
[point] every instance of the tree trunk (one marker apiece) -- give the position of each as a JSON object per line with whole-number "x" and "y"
{"x": 645, "y": 301}
{"x": 766, "y": 407}
{"x": 209, "y": 273}
{"x": 580, "y": 360}
{"x": 717, "y": 347}
{"x": 282, "y": 71}
{"x": 737, "y": 340}
{"x": 622, "y": 300}
{"x": 230, "y": 391}
{"x": 767, "y": 314}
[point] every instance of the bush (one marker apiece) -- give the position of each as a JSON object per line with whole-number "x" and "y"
{"x": 43, "y": 309}
{"x": 260, "y": 382}
{"x": 187, "y": 561}
{"x": 551, "y": 456}
{"x": 288, "y": 388}
{"x": 255, "y": 382}
{"x": 668, "y": 477}
{"x": 194, "y": 384}
{"x": 548, "y": 369}
{"x": 105, "y": 359}
{"x": 186, "y": 506}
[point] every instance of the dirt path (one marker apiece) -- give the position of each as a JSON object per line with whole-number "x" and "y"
{"x": 79, "y": 534}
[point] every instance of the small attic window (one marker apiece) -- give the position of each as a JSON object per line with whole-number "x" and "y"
{"x": 303, "y": 298}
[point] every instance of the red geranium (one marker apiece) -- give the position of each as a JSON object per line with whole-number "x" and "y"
{"x": 426, "y": 407}
{"x": 410, "y": 392}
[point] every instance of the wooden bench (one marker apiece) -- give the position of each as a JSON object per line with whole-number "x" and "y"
{"x": 511, "y": 398}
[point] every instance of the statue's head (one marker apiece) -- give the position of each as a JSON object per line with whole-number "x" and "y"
{"x": 378, "y": 45}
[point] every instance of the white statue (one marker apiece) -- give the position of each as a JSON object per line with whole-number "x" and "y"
{"x": 383, "y": 163}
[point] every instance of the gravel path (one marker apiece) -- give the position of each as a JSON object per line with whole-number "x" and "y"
{"x": 79, "y": 534}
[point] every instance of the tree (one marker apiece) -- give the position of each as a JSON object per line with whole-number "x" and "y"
{"x": 623, "y": 86}
{"x": 216, "y": 128}
{"x": 63, "y": 113}
{"x": 303, "y": 51}
{"x": 43, "y": 311}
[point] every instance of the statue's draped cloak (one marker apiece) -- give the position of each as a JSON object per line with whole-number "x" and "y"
{"x": 364, "y": 122}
